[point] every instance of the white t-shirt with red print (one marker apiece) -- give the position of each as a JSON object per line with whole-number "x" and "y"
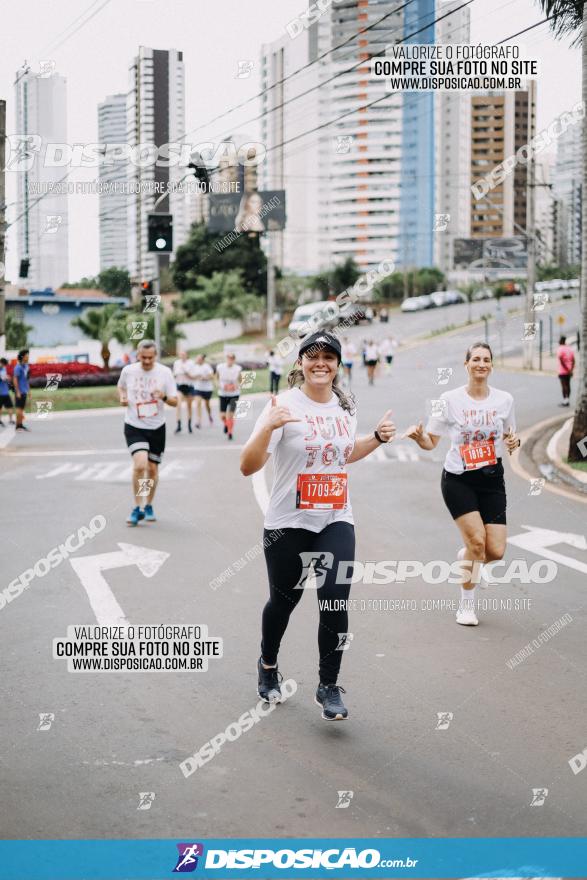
{"x": 144, "y": 410}
{"x": 321, "y": 443}
{"x": 473, "y": 426}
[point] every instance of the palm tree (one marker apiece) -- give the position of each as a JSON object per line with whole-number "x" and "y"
{"x": 570, "y": 17}
{"x": 104, "y": 324}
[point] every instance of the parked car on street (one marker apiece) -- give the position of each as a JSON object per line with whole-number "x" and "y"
{"x": 314, "y": 316}
{"x": 417, "y": 303}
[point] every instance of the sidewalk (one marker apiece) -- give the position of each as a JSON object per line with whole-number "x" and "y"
{"x": 557, "y": 451}
{"x": 543, "y": 455}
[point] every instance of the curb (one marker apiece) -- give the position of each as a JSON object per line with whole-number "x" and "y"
{"x": 533, "y": 433}
{"x": 554, "y": 451}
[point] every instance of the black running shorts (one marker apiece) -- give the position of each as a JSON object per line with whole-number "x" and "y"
{"x": 228, "y": 404}
{"x": 482, "y": 490}
{"x": 151, "y": 440}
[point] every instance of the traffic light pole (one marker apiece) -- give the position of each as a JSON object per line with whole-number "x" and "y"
{"x": 157, "y": 317}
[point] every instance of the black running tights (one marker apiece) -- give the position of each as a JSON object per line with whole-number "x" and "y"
{"x": 289, "y": 558}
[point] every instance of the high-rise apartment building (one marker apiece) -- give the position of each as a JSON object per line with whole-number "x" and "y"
{"x": 453, "y": 147}
{"x": 42, "y": 228}
{"x": 568, "y": 190}
{"x": 155, "y": 116}
{"x": 364, "y": 174}
{"x": 501, "y": 123}
{"x": 113, "y": 199}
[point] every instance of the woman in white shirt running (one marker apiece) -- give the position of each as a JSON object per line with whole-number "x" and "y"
{"x": 481, "y": 424}
{"x": 310, "y": 431}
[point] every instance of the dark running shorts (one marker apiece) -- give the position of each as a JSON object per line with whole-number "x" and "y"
{"x": 20, "y": 401}
{"x": 186, "y": 390}
{"x": 146, "y": 440}
{"x": 205, "y": 395}
{"x": 482, "y": 490}
{"x": 371, "y": 363}
{"x": 228, "y": 403}
{"x": 6, "y": 401}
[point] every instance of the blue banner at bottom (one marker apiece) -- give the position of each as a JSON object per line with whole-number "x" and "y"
{"x": 225, "y": 858}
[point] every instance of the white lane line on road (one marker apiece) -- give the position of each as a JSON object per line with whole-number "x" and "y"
{"x": 89, "y": 570}
{"x": 65, "y": 453}
{"x": 7, "y": 435}
{"x": 261, "y": 491}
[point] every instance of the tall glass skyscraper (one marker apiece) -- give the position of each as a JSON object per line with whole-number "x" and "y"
{"x": 416, "y": 238}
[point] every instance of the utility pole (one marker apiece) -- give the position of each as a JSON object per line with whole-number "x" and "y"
{"x": 157, "y": 315}
{"x": 270, "y": 289}
{"x": 2, "y": 222}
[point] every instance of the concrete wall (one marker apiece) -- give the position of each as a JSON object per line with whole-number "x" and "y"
{"x": 199, "y": 333}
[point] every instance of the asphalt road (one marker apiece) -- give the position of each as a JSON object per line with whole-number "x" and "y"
{"x": 116, "y": 735}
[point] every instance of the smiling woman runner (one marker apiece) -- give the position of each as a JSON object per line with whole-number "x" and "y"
{"x": 310, "y": 429}
{"x": 480, "y": 422}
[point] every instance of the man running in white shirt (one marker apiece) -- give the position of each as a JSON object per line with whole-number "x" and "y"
{"x": 229, "y": 381}
{"x": 183, "y": 372}
{"x": 144, "y": 388}
{"x": 203, "y": 388}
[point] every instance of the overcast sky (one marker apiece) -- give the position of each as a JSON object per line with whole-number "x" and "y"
{"x": 213, "y": 37}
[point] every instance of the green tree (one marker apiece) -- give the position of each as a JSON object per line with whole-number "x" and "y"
{"x": 389, "y": 288}
{"x": 169, "y": 329}
{"x": 104, "y": 324}
{"x": 224, "y": 295}
{"x": 344, "y": 276}
{"x": 569, "y": 17}
{"x": 199, "y": 257}
{"x": 16, "y": 331}
{"x": 89, "y": 283}
{"x": 470, "y": 290}
{"x": 427, "y": 280}
{"x": 114, "y": 281}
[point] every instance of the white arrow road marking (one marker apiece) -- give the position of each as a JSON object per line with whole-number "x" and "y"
{"x": 7, "y": 435}
{"x": 538, "y": 540}
{"x": 89, "y": 570}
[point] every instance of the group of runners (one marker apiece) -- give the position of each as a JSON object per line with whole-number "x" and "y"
{"x": 373, "y": 354}
{"x": 310, "y": 432}
{"x": 196, "y": 379}
{"x": 145, "y": 387}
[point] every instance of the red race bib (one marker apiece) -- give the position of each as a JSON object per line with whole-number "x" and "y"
{"x": 478, "y": 454}
{"x": 146, "y": 409}
{"x": 321, "y": 492}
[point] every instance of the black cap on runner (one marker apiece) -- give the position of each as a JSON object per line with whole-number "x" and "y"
{"x": 321, "y": 340}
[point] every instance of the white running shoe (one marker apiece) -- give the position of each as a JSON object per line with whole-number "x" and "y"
{"x": 467, "y": 617}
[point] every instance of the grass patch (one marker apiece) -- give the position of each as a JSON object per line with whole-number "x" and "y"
{"x": 101, "y": 396}
{"x": 577, "y": 465}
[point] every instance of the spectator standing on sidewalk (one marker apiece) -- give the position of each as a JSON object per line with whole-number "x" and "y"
{"x": 566, "y": 365}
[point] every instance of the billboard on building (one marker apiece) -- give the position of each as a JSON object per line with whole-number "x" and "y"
{"x": 490, "y": 253}
{"x": 250, "y": 212}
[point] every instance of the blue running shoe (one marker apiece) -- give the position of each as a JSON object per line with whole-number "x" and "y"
{"x": 148, "y": 513}
{"x": 135, "y": 516}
